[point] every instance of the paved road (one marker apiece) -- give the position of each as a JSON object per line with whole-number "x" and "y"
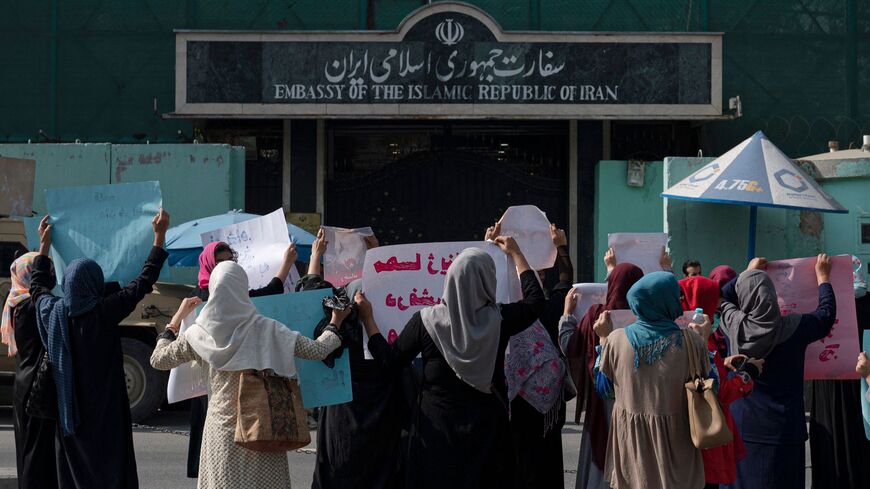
{"x": 161, "y": 454}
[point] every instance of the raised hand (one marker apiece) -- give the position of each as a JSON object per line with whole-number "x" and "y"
{"x": 371, "y": 241}
{"x": 160, "y": 224}
{"x": 45, "y": 236}
{"x": 558, "y": 236}
{"x": 823, "y": 268}
{"x": 492, "y": 232}
{"x": 665, "y": 260}
{"x": 571, "y": 301}
{"x": 758, "y": 263}
{"x": 610, "y": 259}
{"x": 603, "y": 326}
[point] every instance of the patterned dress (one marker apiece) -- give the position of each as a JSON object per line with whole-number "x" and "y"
{"x": 223, "y": 464}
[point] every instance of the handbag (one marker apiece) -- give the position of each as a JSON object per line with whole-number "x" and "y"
{"x": 42, "y": 397}
{"x": 270, "y": 416}
{"x": 706, "y": 419}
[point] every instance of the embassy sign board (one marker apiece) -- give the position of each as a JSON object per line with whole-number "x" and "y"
{"x": 448, "y": 60}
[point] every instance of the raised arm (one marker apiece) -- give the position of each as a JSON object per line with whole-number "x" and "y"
{"x": 120, "y": 304}
{"x": 318, "y": 249}
{"x": 43, "y": 279}
{"x": 563, "y": 256}
{"x": 822, "y": 319}
{"x": 520, "y": 315}
{"x": 403, "y": 350}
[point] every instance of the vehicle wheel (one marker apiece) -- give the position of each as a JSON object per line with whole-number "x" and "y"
{"x": 146, "y": 386}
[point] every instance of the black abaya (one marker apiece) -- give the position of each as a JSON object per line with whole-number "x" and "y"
{"x": 839, "y": 450}
{"x": 358, "y": 443}
{"x": 100, "y": 452}
{"x": 460, "y": 436}
{"x": 34, "y": 437}
{"x": 537, "y": 446}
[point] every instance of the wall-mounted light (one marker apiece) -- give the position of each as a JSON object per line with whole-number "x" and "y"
{"x": 635, "y": 173}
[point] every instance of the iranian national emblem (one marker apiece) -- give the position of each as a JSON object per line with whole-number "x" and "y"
{"x": 449, "y": 32}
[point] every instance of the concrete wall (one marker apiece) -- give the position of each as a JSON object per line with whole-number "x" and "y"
{"x": 197, "y": 180}
{"x": 620, "y": 208}
{"x": 62, "y": 165}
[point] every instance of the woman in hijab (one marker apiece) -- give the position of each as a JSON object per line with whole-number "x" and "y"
{"x": 375, "y": 417}
{"x": 537, "y": 401}
{"x": 722, "y": 275}
{"x": 644, "y": 368}
{"x": 460, "y": 436}
{"x": 230, "y": 336}
{"x": 579, "y": 343}
{"x": 772, "y": 419}
{"x": 81, "y": 333}
{"x": 720, "y": 463}
{"x": 212, "y": 254}
{"x": 34, "y": 437}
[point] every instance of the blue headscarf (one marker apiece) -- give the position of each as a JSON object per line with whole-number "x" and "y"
{"x": 83, "y": 289}
{"x": 655, "y": 300}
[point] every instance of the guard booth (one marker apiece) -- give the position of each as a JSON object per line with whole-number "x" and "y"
{"x": 430, "y": 131}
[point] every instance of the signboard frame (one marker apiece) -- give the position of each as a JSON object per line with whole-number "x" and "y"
{"x": 185, "y": 108}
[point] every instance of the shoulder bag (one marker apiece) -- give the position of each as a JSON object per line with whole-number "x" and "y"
{"x": 706, "y": 419}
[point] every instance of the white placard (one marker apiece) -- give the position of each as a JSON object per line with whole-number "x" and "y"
{"x": 184, "y": 381}
{"x": 260, "y": 244}
{"x": 589, "y": 294}
{"x": 402, "y": 279}
{"x": 530, "y": 227}
{"x": 641, "y": 249}
{"x": 345, "y": 254}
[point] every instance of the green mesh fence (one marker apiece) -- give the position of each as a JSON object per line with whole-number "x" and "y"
{"x": 94, "y": 69}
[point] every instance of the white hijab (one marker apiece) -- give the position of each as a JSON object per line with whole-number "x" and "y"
{"x": 467, "y": 324}
{"x": 231, "y": 335}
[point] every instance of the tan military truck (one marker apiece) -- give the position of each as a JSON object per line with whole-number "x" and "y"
{"x": 146, "y": 387}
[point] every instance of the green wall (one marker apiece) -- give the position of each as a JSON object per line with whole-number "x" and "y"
{"x": 620, "y": 208}
{"x": 62, "y": 165}
{"x": 93, "y": 70}
{"x": 197, "y": 180}
{"x": 841, "y": 233}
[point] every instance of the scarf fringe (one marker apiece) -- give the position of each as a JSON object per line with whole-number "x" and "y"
{"x": 654, "y": 351}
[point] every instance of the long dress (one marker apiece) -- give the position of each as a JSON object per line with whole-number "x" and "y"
{"x": 199, "y": 405}
{"x": 347, "y": 433}
{"x": 772, "y": 419}
{"x": 838, "y": 447}
{"x": 100, "y": 453}
{"x": 223, "y": 464}
{"x": 34, "y": 437}
{"x": 537, "y": 446}
{"x": 459, "y": 435}
{"x": 649, "y": 445}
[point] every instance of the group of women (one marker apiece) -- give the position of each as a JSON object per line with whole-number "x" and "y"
{"x": 471, "y": 394}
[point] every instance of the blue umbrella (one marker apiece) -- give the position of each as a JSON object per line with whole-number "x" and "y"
{"x": 184, "y": 243}
{"x": 757, "y": 174}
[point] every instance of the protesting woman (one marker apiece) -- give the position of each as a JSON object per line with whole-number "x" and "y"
{"x": 230, "y": 336}
{"x": 212, "y": 254}
{"x": 460, "y": 434}
{"x": 720, "y": 463}
{"x": 644, "y": 368}
{"x": 772, "y": 420}
{"x": 34, "y": 437}
{"x": 80, "y": 330}
{"x": 579, "y": 343}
